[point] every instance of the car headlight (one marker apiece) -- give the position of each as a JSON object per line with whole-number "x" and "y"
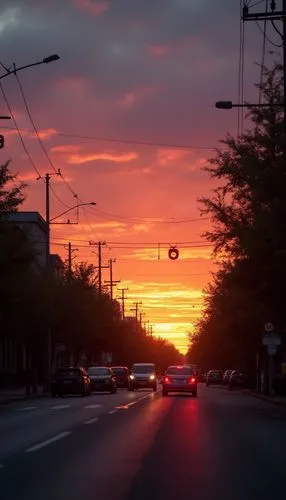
{"x": 132, "y": 377}
{"x": 152, "y": 377}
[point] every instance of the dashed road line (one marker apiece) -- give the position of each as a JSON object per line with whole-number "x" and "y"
{"x": 111, "y": 412}
{"x": 91, "y": 407}
{"x": 91, "y": 421}
{"x": 27, "y": 408}
{"x": 59, "y": 407}
{"x": 38, "y": 446}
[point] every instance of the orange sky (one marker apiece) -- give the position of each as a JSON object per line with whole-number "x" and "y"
{"x": 127, "y": 114}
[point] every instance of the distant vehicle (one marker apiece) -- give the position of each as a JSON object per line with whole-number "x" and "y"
{"x": 236, "y": 379}
{"x": 122, "y": 376}
{"x": 70, "y": 381}
{"x": 102, "y": 379}
{"x": 214, "y": 377}
{"x": 180, "y": 379}
{"x": 226, "y": 377}
{"x": 143, "y": 376}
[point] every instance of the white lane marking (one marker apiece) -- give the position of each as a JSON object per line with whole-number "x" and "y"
{"x": 27, "y": 408}
{"x": 111, "y": 412}
{"x": 60, "y": 407}
{"x": 91, "y": 421}
{"x": 47, "y": 442}
{"x": 1, "y": 466}
{"x": 92, "y": 407}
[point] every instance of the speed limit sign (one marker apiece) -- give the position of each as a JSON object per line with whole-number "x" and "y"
{"x": 268, "y": 327}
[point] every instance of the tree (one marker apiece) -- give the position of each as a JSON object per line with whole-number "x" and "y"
{"x": 248, "y": 212}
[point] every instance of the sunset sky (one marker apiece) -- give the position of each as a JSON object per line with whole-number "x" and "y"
{"x": 128, "y": 115}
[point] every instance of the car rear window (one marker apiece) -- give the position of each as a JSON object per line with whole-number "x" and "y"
{"x": 119, "y": 371}
{"x": 143, "y": 368}
{"x": 98, "y": 371}
{"x": 179, "y": 370}
{"x": 68, "y": 372}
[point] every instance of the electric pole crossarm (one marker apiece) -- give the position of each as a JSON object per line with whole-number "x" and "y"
{"x": 262, "y": 16}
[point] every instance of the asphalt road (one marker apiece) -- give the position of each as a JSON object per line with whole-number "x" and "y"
{"x": 135, "y": 446}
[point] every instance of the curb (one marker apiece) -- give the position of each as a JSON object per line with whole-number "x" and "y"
{"x": 25, "y": 397}
{"x": 262, "y": 397}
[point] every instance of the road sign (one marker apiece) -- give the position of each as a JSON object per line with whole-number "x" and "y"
{"x": 271, "y": 350}
{"x": 268, "y": 327}
{"x": 271, "y": 339}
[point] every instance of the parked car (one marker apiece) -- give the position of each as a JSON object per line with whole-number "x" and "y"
{"x": 180, "y": 379}
{"x": 237, "y": 379}
{"x": 214, "y": 377}
{"x": 70, "y": 381}
{"x": 143, "y": 376}
{"x": 226, "y": 377}
{"x": 102, "y": 379}
{"x": 122, "y": 376}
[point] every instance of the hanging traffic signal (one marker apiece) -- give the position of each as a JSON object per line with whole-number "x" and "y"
{"x": 2, "y": 141}
{"x": 173, "y": 253}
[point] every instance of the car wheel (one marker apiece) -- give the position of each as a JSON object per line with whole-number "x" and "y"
{"x": 54, "y": 395}
{"x": 165, "y": 393}
{"x": 154, "y": 389}
{"x": 195, "y": 394}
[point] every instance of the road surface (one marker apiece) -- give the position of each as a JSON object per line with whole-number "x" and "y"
{"x": 141, "y": 446}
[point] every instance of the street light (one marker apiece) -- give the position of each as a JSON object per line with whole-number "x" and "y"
{"x": 14, "y": 70}
{"x": 92, "y": 203}
{"x": 230, "y": 105}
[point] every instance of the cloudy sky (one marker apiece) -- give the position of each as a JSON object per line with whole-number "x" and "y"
{"x": 128, "y": 115}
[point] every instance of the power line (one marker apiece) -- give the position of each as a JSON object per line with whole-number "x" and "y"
{"x": 19, "y": 133}
{"x": 38, "y": 135}
{"x": 278, "y": 45}
{"x": 124, "y": 141}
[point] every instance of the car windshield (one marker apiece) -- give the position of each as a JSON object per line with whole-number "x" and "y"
{"x": 71, "y": 372}
{"x": 98, "y": 371}
{"x": 179, "y": 370}
{"x": 143, "y": 369}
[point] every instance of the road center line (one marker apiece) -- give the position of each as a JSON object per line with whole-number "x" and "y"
{"x": 59, "y": 407}
{"x": 91, "y": 421}
{"x": 92, "y": 407}
{"x": 27, "y": 408}
{"x": 47, "y": 442}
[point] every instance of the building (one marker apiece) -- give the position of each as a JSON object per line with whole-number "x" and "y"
{"x": 36, "y": 229}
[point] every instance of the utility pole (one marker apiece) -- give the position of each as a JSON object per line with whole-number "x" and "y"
{"x": 111, "y": 281}
{"x": 70, "y": 251}
{"x": 272, "y": 16}
{"x": 135, "y": 309}
{"x": 123, "y": 290}
{"x": 99, "y": 244}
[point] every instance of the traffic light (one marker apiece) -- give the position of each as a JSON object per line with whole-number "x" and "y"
{"x": 2, "y": 142}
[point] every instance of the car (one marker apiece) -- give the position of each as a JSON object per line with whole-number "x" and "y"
{"x": 143, "y": 376}
{"x": 102, "y": 379}
{"x": 236, "y": 379}
{"x": 179, "y": 379}
{"x": 214, "y": 377}
{"x": 122, "y": 376}
{"x": 226, "y": 377}
{"x": 72, "y": 380}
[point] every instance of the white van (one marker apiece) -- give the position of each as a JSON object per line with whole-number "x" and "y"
{"x": 143, "y": 376}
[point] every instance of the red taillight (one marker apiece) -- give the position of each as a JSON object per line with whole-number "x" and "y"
{"x": 192, "y": 380}
{"x": 166, "y": 380}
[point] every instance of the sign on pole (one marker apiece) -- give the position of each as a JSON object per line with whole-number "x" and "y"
{"x": 271, "y": 350}
{"x": 268, "y": 327}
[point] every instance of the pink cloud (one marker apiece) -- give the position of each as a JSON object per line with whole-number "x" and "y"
{"x": 66, "y": 149}
{"x": 94, "y": 8}
{"x": 169, "y": 155}
{"x": 137, "y": 94}
{"x": 46, "y": 133}
{"x": 159, "y": 50}
{"x": 113, "y": 157}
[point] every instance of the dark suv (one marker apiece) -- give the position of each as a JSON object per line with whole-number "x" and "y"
{"x": 70, "y": 381}
{"x": 122, "y": 376}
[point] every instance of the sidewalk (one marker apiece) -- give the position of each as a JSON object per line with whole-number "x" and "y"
{"x": 19, "y": 394}
{"x": 277, "y": 400}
